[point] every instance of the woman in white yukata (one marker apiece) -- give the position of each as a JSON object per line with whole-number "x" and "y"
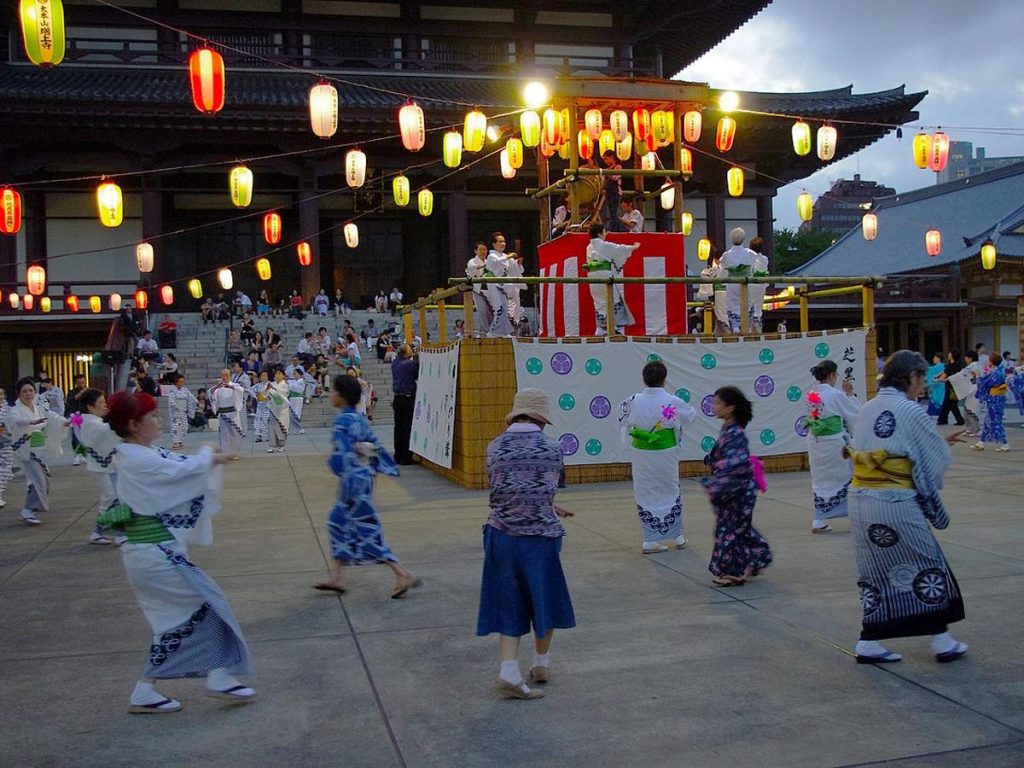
{"x": 181, "y": 407}
{"x": 278, "y": 412}
{"x": 906, "y": 586}
{"x": 229, "y": 405}
{"x": 297, "y": 396}
{"x": 654, "y": 420}
{"x": 476, "y": 267}
{"x": 606, "y": 259}
{"x": 166, "y": 503}
{"x": 261, "y": 392}
{"x": 496, "y": 266}
{"x": 98, "y": 443}
{"x": 35, "y": 431}
{"x": 831, "y": 418}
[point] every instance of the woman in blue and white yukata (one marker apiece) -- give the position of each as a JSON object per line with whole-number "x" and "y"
{"x": 991, "y": 394}
{"x": 355, "y": 530}
{"x": 166, "y": 503}
{"x": 35, "y": 432}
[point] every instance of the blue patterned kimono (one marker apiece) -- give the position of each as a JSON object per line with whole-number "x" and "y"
{"x": 1015, "y": 384}
{"x": 357, "y": 536}
{"x": 990, "y": 385}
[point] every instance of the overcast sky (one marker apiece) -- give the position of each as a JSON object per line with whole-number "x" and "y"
{"x": 967, "y": 55}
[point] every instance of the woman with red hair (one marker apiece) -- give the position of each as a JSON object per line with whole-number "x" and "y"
{"x": 166, "y": 502}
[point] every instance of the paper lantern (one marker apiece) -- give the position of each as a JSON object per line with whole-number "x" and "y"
{"x": 648, "y": 162}
{"x": 425, "y": 202}
{"x": 692, "y": 122}
{"x": 412, "y": 127}
{"x": 110, "y": 204}
{"x": 28, "y": 301}
{"x": 593, "y": 123}
{"x": 687, "y": 222}
{"x": 933, "y": 242}
{"x": 725, "y": 134}
{"x": 686, "y": 162}
{"x": 14, "y": 300}
{"x": 939, "y": 155}
{"x": 240, "y": 186}
{"x": 563, "y": 151}
{"x": 10, "y": 211}
{"x": 671, "y": 131}
{"x": 668, "y": 197}
{"x": 71, "y": 303}
{"x": 474, "y": 130}
{"x": 552, "y": 127}
{"x": 529, "y": 128}
{"x": 514, "y": 147}
{"x": 805, "y": 206}
{"x": 167, "y": 295}
{"x": 141, "y": 299}
{"x": 507, "y": 171}
{"x": 922, "y": 150}
{"x": 619, "y": 124}
{"x": 452, "y": 154}
{"x": 272, "y": 228}
{"x": 624, "y": 148}
{"x": 95, "y": 304}
{"x": 206, "y": 75}
{"x": 642, "y": 124}
{"x": 226, "y": 279}
{"x": 734, "y": 181}
{"x": 355, "y": 168}
{"x": 45, "y": 304}
{"x": 42, "y": 31}
{"x": 114, "y": 302}
{"x": 144, "y": 257}
{"x": 305, "y": 252}
{"x": 661, "y": 125}
{"x": 703, "y": 249}
{"x": 565, "y": 126}
{"x": 642, "y": 148}
{"x": 263, "y": 269}
{"x": 547, "y": 150}
{"x": 195, "y": 288}
{"x": 801, "y": 138}
{"x": 988, "y": 255}
{"x": 351, "y": 235}
{"x": 35, "y": 277}
{"x": 606, "y": 141}
{"x": 869, "y": 226}
{"x": 827, "y": 138}
{"x": 584, "y": 145}
{"x": 323, "y": 109}
{"x": 400, "y": 190}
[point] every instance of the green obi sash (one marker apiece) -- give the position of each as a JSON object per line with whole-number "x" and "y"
{"x": 37, "y": 439}
{"x": 653, "y": 440}
{"x": 488, "y": 273}
{"x": 830, "y": 425}
{"x": 295, "y": 394}
{"x": 277, "y": 399}
{"x": 742, "y": 270}
{"x": 140, "y": 529}
{"x": 759, "y": 274}
{"x": 597, "y": 266}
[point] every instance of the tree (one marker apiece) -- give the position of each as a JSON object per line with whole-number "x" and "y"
{"x": 794, "y": 248}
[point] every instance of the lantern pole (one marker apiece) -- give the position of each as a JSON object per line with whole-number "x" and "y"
{"x": 677, "y": 165}
{"x": 574, "y": 162}
{"x": 543, "y": 205}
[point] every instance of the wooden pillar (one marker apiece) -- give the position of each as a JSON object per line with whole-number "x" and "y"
{"x": 407, "y": 326}
{"x": 677, "y": 164}
{"x": 468, "y": 305}
{"x": 442, "y": 331}
{"x": 709, "y": 319}
{"x": 423, "y": 323}
{"x": 870, "y": 341}
{"x": 609, "y": 321}
{"x": 744, "y": 309}
{"x": 544, "y": 204}
{"x": 805, "y": 316}
{"x": 309, "y": 226}
{"x": 715, "y": 206}
{"x": 574, "y": 164}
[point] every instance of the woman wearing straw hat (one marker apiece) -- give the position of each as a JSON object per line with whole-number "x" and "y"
{"x": 523, "y": 583}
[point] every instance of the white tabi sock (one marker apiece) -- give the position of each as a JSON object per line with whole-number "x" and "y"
{"x": 542, "y": 660}
{"x": 943, "y": 643}
{"x": 650, "y": 545}
{"x": 818, "y": 524}
{"x": 220, "y": 680}
{"x": 870, "y": 648}
{"x": 145, "y": 693}
{"x": 510, "y": 672}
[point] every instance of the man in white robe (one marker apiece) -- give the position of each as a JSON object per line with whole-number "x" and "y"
{"x": 606, "y": 259}
{"x": 736, "y": 262}
{"x": 756, "y": 291}
{"x": 228, "y": 402}
{"x": 497, "y": 264}
{"x": 476, "y": 267}
{"x": 514, "y": 268}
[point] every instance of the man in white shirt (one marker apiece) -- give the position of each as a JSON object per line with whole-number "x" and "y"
{"x": 146, "y": 347}
{"x": 394, "y": 300}
{"x": 497, "y": 265}
{"x": 736, "y": 262}
{"x": 304, "y": 350}
{"x": 514, "y": 268}
{"x": 477, "y": 267}
{"x": 632, "y": 219}
{"x": 756, "y": 291}
{"x": 606, "y": 259}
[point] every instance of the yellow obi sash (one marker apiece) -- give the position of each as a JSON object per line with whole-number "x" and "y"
{"x": 877, "y": 469}
{"x": 997, "y": 391}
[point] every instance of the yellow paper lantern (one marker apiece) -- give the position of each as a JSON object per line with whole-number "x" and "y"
{"x": 144, "y": 257}
{"x": 474, "y": 130}
{"x": 686, "y": 162}
{"x": 801, "y": 138}
{"x": 734, "y": 180}
{"x": 507, "y": 171}
{"x": 529, "y": 128}
{"x": 827, "y": 138}
{"x": 725, "y": 134}
{"x": 565, "y": 129}
{"x": 642, "y": 148}
{"x": 240, "y": 185}
{"x": 619, "y": 124}
{"x": 661, "y": 125}
{"x": 668, "y": 197}
{"x": 692, "y": 123}
{"x": 141, "y": 299}
{"x": 869, "y": 226}
{"x": 226, "y": 279}
{"x": 195, "y": 288}
{"x": 15, "y": 300}
{"x": 563, "y": 151}
{"x": 400, "y": 190}
{"x": 584, "y": 145}
{"x": 355, "y": 168}
{"x": 514, "y": 147}
{"x": 593, "y": 123}
{"x": 351, "y": 235}
{"x": 624, "y": 148}
{"x": 988, "y": 255}
{"x": 263, "y": 269}
{"x": 452, "y": 149}
{"x": 687, "y": 223}
{"x": 45, "y": 304}
{"x": 425, "y": 201}
{"x": 110, "y": 204}
{"x": 35, "y": 276}
{"x": 606, "y": 141}
{"x": 922, "y": 150}
{"x": 805, "y": 206}
{"x": 323, "y": 109}
{"x": 114, "y": 302}
{"x": 95, "y": 304}
{"x": 42, "y": 31}
{"x": 551, "y": 126}
{"x": 412, "y": 127}
{"x": 703, "y": 249}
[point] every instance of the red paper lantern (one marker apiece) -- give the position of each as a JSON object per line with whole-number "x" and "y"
{"x": 272, "y": 228}
{"x": 412, "y": 126}
{"x": 141, "y": 299}
{"x": 305, "y": 254}
{"x": 35, "y": 276}
{"x": 641, "y": 124}
{"x": 692, "y": 123}
{"x": 167, "y": 295}
{"x": 206, "y": 74}
{"x": 933, "y": 242}
{"x": 939, "y": 155}
{"x": 725, "y": 134}
{"x": 10, "y": 211}
{"x": 586, "y": 144}
{"x": 28, "y": 301}
{"x": 71, "y": 303}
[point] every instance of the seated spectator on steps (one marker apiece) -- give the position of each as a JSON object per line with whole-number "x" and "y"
{"x": 146, "y": 347}
{"x": 235, "y": 349}
{"x": 321, "y": 303}
{"x": 208, "y": 311}
{"x": 295, "y": 306}
{"x": 167, "y": 333}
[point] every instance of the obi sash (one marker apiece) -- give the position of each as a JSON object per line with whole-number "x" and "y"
{"x": 653, "y": 440}
{"x": 877, "y": 469}
{"x": 226, "y": 410}
{"x": 597, "y": 266}
{"x": 295, "y": 394}
{"x": 140, "y": 529}
{"x": 830, "y": 425}
{"x": 741, "y": 270}
{"x": 997, "y": 391}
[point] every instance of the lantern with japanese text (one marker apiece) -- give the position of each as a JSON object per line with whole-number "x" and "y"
{"x": 551, "y": 126}
{"x": 272, "y": 227}
{"x": 529, "y": 128}
{"x": 643, "y": 148}
{"x": 692, "y": 123}
{"x": 869, "y": 226}
{"x": 412, "y": 127}
{"x": 563, "y": 150}
{"x": 355, "y": 168}
{"x": 305, "y": 252}
{"x": 226, "y": 279}
{"x": 400, "y": 190}
{"x": 45, "y": 304}
{"x": 28, "y": 301}
{"x": 95, "y": 305}
{"x": 939, "y": 155}
{"x": 585, "y": 145}
{"x": 827, "y": 138}
{"x": 206, "y": 75}
{"x": 725, "y": 134}
{"x": 35, "y": 277}
{"x": 141, "y": 299}
{"x": 507, "y": 171}
{"x": 686, "y": 162}
{"x": 240, "y": 186}
{"x": 323, "y": 109}
{"x": 801, "y": 138}
{"x": 933, "y": 242}
{"x": 565, "y": 126}
{"x": 661, "y": 125}
{"x": 514, "y": 147}
{"x": 668, "y": 196}
{"x": 988, "y": 255}
{"x": 71, "y": 303}
{"x": 14, "y": 300}
{"x": 593, "y": 123}
{"x": 805, "y": 206}
{"x": 263, "y": 268}
{"x": 648, "y": 162}
{"x": 606, "y": 141}
{"x": 641, "y": 124}
{"x": 425, "y": 202}
{"x": 110, "y": 204}
{"x": 703, "y": 249}
{"x": 687, "y": 222}
{"x": 452, "y": 154}
{"x": 619, "y": 124}
{"x": 351, "y": 235}
{"x": 144, "y": 257}
{"x": 734, "y": 181}
{"x": 114, "y": 302}
{"x": 10, "y": 211}
{"x": 547, "y": 150}
{"x": 474, "y": 130}
{"x": 922, "y": 150}
{"x": 167, "y": 295}
{"x": 195, "y": 288}
{"x": 42, "y": 31}
{"x": 624, "y": 148}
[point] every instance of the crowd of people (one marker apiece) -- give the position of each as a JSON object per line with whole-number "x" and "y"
{"x": 221, "y": 308}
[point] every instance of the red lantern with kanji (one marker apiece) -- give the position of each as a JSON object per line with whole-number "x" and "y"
{"x": 692, "y": 122}
{"x": 641, "y": 124}
{"x": 272, "y": 228}
{"x": 167, "y": 295}
{"x": 725, "y": 134}
{"x": 686, "y": 162}
{"x": 141, "y": 299}
{"x": 939, "y": 155}
{"x": 933, "y": 242}
{"x": 586, "y": 145}
{"x": 305, "y": 254}
{"x": 35, "y": 276}
{"x": 10, "y": 211}
{"x": 206, "y": 74}
{"x": 71, "y": 303}
{"x": 412, "y": 126}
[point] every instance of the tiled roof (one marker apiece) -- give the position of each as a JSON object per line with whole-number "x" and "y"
{"x": 965, "y": 211}
{"x": 822, "y": 104}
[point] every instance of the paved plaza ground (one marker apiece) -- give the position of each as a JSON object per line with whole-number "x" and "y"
{"x": 663, "y": 669}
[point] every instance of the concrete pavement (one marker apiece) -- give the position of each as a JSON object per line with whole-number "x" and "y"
{"x": 663, "y": 669}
